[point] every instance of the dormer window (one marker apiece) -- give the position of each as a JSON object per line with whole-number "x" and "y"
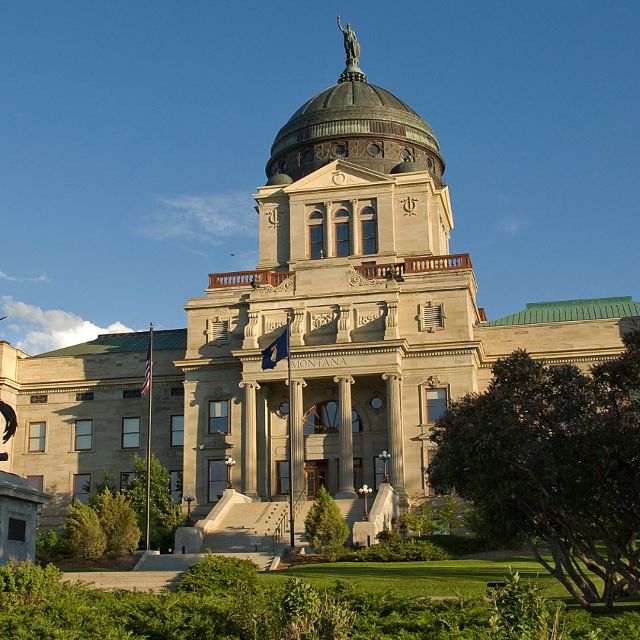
{"x": 369, "y": 228}
{"x": 316, "y": 235}
{"x": 342, "y": 233}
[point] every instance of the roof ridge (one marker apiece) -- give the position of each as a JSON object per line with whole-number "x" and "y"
{"x": 579, "y": 302}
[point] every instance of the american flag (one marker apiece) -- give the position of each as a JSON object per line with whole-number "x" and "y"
{"x": 146, "y": 385}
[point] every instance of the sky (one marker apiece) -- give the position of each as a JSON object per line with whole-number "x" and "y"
{"x": 133, "y": 133}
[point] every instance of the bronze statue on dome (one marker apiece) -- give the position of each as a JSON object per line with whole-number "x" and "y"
{"x": 351, "y": 44}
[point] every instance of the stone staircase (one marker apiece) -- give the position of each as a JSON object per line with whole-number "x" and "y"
{"x": 155, "y": 580}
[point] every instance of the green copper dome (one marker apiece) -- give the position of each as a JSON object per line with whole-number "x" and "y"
{"x": 359, "y": 122}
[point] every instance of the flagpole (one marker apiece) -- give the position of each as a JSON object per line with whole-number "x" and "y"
{"x": 150, "y": 394}
{"x": 292, "y": 524}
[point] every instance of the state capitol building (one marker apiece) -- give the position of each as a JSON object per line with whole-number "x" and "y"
{"x": 354, "y": 226}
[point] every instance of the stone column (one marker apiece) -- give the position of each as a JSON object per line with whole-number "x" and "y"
{"x": 296, "y": 433}
{"x": 249, "y": 445}
{"x": 346, "y": 488}
{"x": 355, "y": 229}
{"x": 329, "y": 249}
{"x": 395, "y": 431}
{"x": 194, "y": 473}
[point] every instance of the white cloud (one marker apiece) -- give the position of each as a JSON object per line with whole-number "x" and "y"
{"x": 48, "y": 329}
{"x": 210, "y": 219}
{"x": 41, "y": 278}
{"x": 510, "y": 224}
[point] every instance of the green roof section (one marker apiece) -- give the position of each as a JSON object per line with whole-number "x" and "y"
{"x": 570, "y": 310}
{"x": 106, "y": 343}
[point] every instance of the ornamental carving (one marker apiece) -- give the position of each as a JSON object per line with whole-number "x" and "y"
{"x": 273, "y": 218}
{"x": 369, "y": 316}
{"x": 409, "y": 206}
{"x": 283, "y": 287}
{"x": 273, "y": 324}
{"x": 358, "y": 280}
{"x": 321, "y": 320}
{"x": 433, "y": 382}
{"x": 338, "y": 178}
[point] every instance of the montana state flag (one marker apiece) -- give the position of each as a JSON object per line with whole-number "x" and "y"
{"x": 276, "y": 351}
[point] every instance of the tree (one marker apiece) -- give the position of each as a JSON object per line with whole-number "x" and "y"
{"x": 164, "y": 514}
{"x": 118, "y": 521}
{"x": 324, "y": 526}
{"x": 553, "y": 455}
{"x": 85, "y": 536}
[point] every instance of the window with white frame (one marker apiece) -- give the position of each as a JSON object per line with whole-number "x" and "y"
{"x": 131, "y": 433}
{"x": 219, "y": 416}
{"x": 37, "y": 437}
{"x": 83, "y": 435}
{"x": 177, "y": 431}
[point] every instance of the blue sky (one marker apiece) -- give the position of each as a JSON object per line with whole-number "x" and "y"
{"x": 132, "y": 134}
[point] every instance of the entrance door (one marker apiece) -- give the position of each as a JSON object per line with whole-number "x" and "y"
{"x": 315, "y": 476}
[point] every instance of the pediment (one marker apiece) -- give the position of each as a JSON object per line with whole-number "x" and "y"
{"x": 338, "y": 174}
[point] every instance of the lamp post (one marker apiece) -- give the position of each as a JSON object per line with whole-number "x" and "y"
{"x": 229, "y": 463}
{"x": 364, "y": 491}
{"x": 189, "y": 498}
{"x": 384, "y": 456}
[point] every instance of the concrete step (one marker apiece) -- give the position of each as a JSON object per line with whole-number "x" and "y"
{"x": 168, "y": 562}
{"x": 155, "y": 581}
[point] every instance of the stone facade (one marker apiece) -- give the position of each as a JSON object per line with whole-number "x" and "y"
{"x": 385, "y": 330}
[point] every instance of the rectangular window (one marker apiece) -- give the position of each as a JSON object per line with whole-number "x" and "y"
{"x": 87, "y": 395}
{"x": 176, "y": 486}
{"x": 17, "y": 529}
{"x": 217, "y": 479}
{"x": 219, "y": 416}
{"x": 177, "y": 391}
{"x": 83, "y": 439}
{"x": 343, "y": 240}
{"x": 81, "y": 487}
{"x": 37, "y": 437}
{"x": 432, "y": 490}
{"x": 436, "y": 404}
{"x": 38, "y": 399}
{"x": 130, "y": 433}
{"x": 369, "y": 239}
{"x": 316, "y": 241}
{"x": 177, "y": 431}
{"x": 357, "y": 473}
{"x": 128, "y": 394}
{"x": 36, "y": 482}
{"x": 282, "y": 477}
{"x": 126, "y": 480}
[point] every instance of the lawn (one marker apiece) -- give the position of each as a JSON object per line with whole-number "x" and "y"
{"x": 441, "y": 578}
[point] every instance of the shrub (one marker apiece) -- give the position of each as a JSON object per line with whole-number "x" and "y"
{"x": 522, "y": 613}
{"x": 215, "y": 575}
{"x": 84, "y": 534}
{"x": 50, "y": 546}
{"x": 324, "y": 526}
{"x": 24, "y": 583}
{"x": 397, "y": 551}
{"x": 118, "y": 521}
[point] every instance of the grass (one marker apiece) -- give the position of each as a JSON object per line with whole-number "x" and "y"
{"x": 442, "y": 578}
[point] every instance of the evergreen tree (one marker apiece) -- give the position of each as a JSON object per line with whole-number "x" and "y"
{"x": 118, "y": 521}
{"x": 164, "y": 514}
{"x": 85, "y": 536}
{"x": 324, "y": 526}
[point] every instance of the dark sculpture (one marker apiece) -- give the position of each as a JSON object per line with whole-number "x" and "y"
{"x": 11, "y": 421}
{"x": 351, "y": 44}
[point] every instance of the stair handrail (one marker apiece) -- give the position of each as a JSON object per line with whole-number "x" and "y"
{"x": 281, "y": 526}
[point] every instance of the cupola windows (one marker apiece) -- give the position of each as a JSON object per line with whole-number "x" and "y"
{"x": 342, "y": 230}
{"x": 342, "y": 233}
{"x": 316, "y": 235}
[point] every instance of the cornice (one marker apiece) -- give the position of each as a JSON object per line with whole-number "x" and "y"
{"x": 76, "y": 387}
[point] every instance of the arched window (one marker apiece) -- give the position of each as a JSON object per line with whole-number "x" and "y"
{"x": 369, "y": 230}
{"x": 324, "y": 417}
{"x": 316, "y": 235}
{"x": 342, "y": 233}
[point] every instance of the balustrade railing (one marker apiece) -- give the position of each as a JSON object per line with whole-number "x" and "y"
{"x": 414, "y": 265}
{"x": 248, "y": 278}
